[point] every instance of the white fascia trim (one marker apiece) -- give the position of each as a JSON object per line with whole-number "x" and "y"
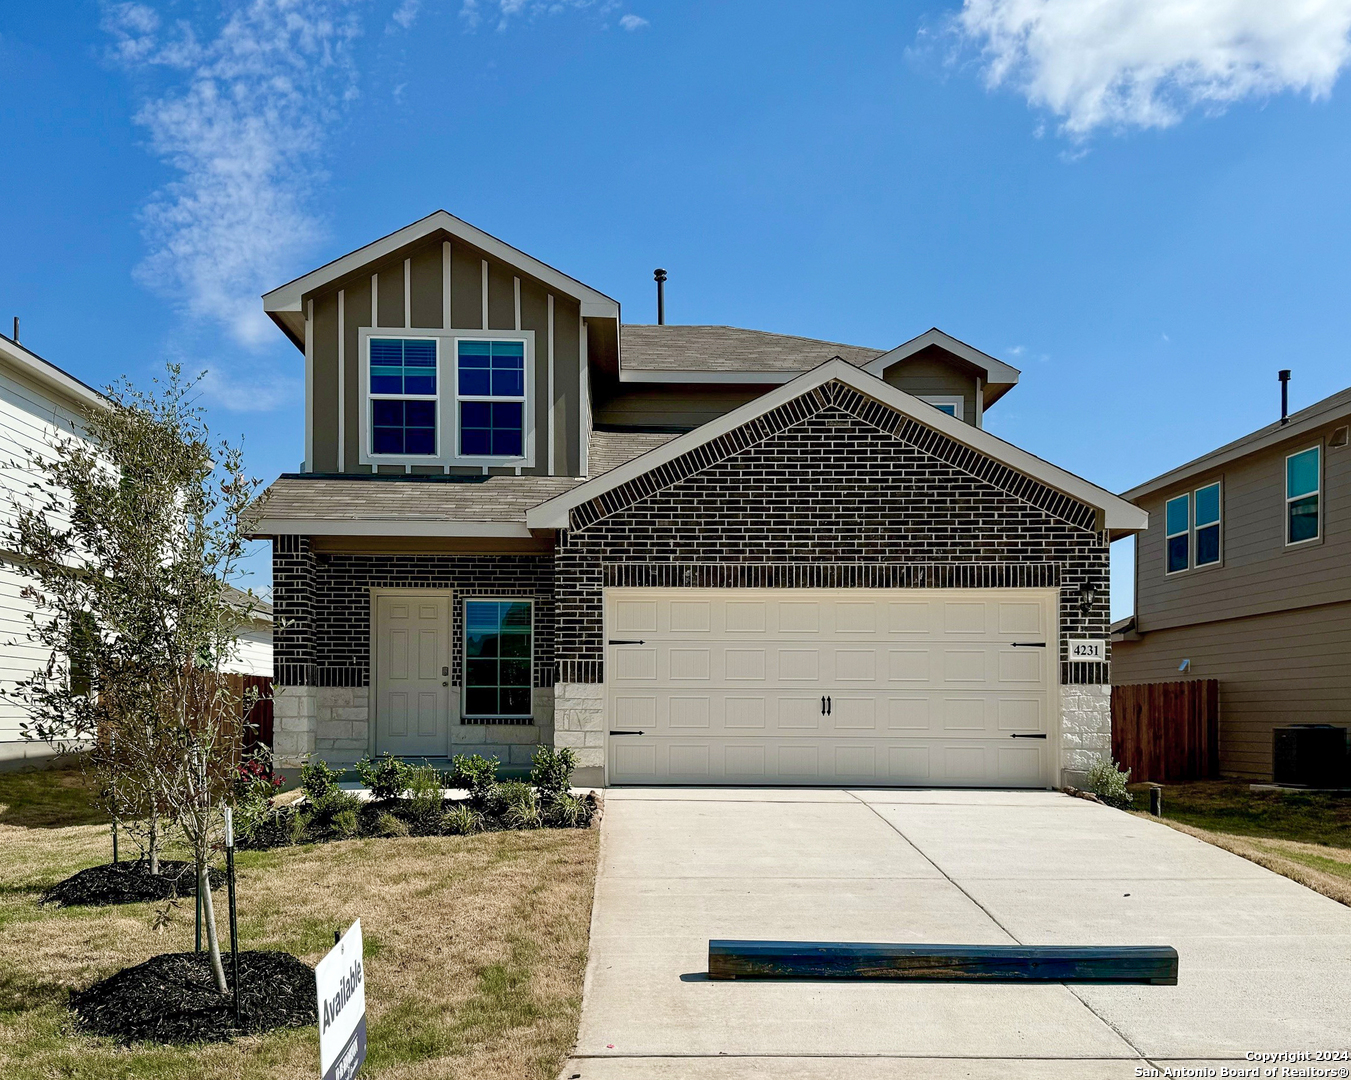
{"x": 287, "y": 297}
{"x": 996, "y": 370}
{"x": 48, "y": 375}
{"x": 740, "y": 378}
{"x": 1119, "y": 515}
{"x": 393, "y": 527}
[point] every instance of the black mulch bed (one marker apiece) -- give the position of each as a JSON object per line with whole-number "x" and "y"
{"x": 128, "y": 883}
{"x": 172, "y": 998}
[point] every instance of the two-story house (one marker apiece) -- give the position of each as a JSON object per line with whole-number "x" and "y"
{"x": 1244, "y": 576}
{"x": 695, "y": 554}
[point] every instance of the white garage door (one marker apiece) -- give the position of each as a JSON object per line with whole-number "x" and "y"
{"x": 814, "y": 686}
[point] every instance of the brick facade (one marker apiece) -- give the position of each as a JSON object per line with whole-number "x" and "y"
{"x": 322, "y": 604}
{"x": 831, "y": 489}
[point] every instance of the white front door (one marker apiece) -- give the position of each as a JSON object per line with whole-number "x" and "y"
{"x": 412, "y": 674}
{"x": 817, "y": 686}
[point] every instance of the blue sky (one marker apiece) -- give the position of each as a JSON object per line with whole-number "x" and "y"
{"x": 1141, "y": 204}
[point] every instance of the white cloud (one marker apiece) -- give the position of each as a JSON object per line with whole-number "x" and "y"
{"x": 240, "y": 113}
{"x": 251, "y": 387}
{"x": 473, "y": 12}
{"x": 406, "y": 13}
{"x": 1145, "y": 63}
{"x": 632, "y": 22}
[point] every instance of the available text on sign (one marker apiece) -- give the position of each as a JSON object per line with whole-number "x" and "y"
{"x": 341, "y": 980}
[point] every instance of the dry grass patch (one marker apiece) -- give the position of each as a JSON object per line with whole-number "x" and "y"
{"x": 1317, "y": 866}
{"x": 476, "y": 948}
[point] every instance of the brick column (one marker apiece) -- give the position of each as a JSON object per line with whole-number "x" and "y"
{"x": 294, "y": 704}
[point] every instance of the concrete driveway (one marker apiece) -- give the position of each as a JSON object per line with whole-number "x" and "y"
{"x": 1265, "y": 964}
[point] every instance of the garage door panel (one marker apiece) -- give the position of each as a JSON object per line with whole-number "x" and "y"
{"x": 831, "y": 686}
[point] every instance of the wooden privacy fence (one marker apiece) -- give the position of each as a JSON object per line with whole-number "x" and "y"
{"x": 258, "y": 722}
{"x": 1167, "y": 731}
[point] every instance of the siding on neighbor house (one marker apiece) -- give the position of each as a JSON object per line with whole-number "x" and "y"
{"x": 1257, "y": 572}
{"x": 29, "y": 418}
{"x": 1288, "y": 667}
{"x": 424, "y": 311}
{"x": 829, "y": 490}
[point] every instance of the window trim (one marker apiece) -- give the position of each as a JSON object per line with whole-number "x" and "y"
{"x": 1318, "y": 492}
{"x": 1168, "y": 536}
{"x": 488, "y": 718}
{"x": 938, "y": 400}
{"x": 447, "y": 403}
{"x": 1218, "y": 523}
{"x": 368, "y": 399}
{"x": 527, "y": 455}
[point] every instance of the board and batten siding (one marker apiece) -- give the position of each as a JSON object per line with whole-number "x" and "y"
{"x": 408, "y": 290}
{"x": 1288, "y": 667}
{"x": 29, "y": 418}
{"x": 1257, "y": 572}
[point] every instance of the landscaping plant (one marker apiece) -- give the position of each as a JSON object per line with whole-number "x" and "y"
{"x": 127, "y": 541}
{"x": 385, "y": 777}
{"x": 551, "y": 772}
{"x": 1108, "y": 783}
{"x": 477, "y": 775}
{"x": 422, "y": 810}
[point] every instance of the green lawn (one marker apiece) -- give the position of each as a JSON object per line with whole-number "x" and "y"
{"x": 476, "y": 947}
{"x": 1228, "y": 806}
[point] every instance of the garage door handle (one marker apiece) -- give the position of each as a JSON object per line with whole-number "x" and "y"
{"x": 1040, "y": 735}
{"x": 1016, "y": 644}
{"x": 614, "y": 641}
{"x": 626, "y": 733}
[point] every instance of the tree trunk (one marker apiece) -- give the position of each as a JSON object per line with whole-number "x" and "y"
{"x": 209, "y": 917}
{"x": 153, "y": 844}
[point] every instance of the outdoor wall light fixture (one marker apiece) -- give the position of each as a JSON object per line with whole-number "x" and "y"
{"x": 1087, "y": 594}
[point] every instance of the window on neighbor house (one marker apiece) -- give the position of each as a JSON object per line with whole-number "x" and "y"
{"x": 498, "y": 635}
{"x": 403, "y": 396}
{"x": 1192, "y": 522}
{"x": 490, "y": 398}
{"x": 1303, "y": 488}
{"x": 1177, "y": 522}
{"x": 1207, "y": 504}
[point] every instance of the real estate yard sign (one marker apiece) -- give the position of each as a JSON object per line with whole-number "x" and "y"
{"x": 341, "y": 981}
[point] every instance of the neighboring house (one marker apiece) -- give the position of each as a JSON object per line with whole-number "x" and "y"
{"x": 1244, "y": 576}
{"x": 253, "y": 642}
{"x": 37, "y": 400}
{"x": 694, "y": 554}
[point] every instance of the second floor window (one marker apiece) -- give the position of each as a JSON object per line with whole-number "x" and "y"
{"x": 1192, "y": 523}
{"x": 403, "y": 398}
{"x": 1303, "y": 488}
{"x": 490, "y": 392}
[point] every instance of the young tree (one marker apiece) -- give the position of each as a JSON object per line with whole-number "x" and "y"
{"x": 127, "y": 539}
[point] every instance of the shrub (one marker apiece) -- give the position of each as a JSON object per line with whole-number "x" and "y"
{"x": 318, "y": 779}
{"x": 422, "y": 811}
{"x": 387, "y": 825}
{"x": 517, "y": 805}
{"x": 461, "y": 820}
{"x": 345, "y": 824}
{"x": 569, "y": 812}
{"x": 551, "y": 773}
{"x": 1108, "y": 783}
{"x": 333, "y": 814}
{"x": 386, "y": 777}
{"x": 477, "y": 775}
{"x": 254, "y": 787}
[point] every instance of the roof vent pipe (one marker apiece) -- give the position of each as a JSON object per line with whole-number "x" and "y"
{"x": 1284, "y": 376}
{"x": 16, "y": 329}
{"x": 659, "y": 276}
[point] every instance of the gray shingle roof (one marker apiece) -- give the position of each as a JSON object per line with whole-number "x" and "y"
{"x": 729, "y": 348}
{"x": 498, "y": 498}
{"x": 611, "y": 449}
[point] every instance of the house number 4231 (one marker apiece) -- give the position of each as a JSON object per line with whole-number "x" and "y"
{"x": 1087, "y": 649}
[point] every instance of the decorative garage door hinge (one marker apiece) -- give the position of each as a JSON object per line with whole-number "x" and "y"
{"x": 623, "y": 641}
